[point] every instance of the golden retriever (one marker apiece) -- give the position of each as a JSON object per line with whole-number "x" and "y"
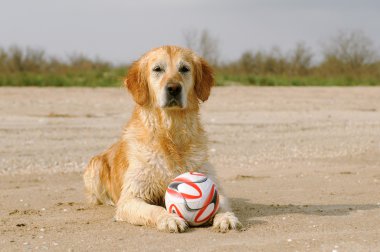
{"x": 163, "y": 139}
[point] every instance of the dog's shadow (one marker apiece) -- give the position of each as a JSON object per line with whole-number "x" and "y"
{"x": 247, "y": 211}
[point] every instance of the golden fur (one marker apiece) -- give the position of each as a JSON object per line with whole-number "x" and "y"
{"x": 158, "y": 143}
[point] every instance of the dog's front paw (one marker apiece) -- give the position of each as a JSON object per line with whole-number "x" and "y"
{"x": 171, "y": 223}
{"x": 226, "y": 221}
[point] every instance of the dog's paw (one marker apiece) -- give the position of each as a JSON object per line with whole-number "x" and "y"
{"x": 171, "y": 223}
{"x": 226, "y": 221}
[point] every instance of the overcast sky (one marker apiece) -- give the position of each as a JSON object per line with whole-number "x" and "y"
{"x": 121, "y": 30}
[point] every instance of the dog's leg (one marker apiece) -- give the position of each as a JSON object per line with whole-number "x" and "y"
{"x": 136, "y": 211}
{"x": 225, "y": 219}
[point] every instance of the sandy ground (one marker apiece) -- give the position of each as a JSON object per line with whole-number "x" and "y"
{"x": 301, "y": 166}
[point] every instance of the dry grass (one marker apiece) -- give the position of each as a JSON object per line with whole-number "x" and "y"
{"x": 349, "y": 59}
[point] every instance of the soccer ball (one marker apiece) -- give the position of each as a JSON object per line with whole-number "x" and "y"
{"x": 193, "y": 197}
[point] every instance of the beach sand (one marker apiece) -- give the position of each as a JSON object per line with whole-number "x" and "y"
{"x": 300, "y": 165}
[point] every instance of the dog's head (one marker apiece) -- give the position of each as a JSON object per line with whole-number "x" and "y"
{"x": 170, "y": 77}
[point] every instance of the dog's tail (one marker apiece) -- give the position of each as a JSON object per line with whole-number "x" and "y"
{"x": 95, "y": 190}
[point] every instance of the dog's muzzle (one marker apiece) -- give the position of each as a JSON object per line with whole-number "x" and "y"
{"x": 173, "y": 95}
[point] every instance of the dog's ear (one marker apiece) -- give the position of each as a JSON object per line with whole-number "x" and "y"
{"x": 137, "y": 84}
{"x": 204, "y": 80}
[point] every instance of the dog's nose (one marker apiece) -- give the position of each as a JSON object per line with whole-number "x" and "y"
{"x": 173, "y": 89}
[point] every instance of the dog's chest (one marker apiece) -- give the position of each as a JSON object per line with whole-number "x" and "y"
{"x": 151, "y": 172}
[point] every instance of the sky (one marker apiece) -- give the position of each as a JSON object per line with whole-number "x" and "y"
{"x": 120, "y": 30}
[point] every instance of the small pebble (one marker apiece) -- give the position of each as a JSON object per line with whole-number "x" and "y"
{"x": 65, "y": 210}
{"x": 42, "y": 229}
{"x": 289, "y": 240}
{"x": 43, "y": 209}
{"x": 40, "y": 237}
{"x": 55, "y": 244}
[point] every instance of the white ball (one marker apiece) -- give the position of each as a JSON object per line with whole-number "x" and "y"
{"x": 193, "y": 197}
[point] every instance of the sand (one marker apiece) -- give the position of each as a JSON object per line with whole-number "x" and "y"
{"x": 300, "y": 165}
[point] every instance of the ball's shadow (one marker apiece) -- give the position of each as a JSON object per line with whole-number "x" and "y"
{"x": 247, "y": 211}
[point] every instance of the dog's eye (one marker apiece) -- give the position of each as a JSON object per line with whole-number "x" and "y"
{"x": 184, "y": 69}
{"x": 158, "y": 69}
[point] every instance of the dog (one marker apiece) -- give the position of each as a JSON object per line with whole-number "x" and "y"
{"x": 163, "y": 139}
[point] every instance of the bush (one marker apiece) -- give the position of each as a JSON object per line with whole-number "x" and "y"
{"x": 349, "y": 59}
